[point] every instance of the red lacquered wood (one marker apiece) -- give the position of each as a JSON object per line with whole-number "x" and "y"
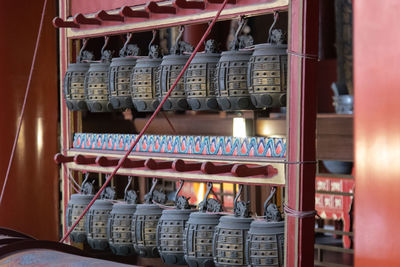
{"x": 81, "y": 19}
{"x": 60, "y": 158}
{"x": 376, "y": 129}
{"x": 157, "y": 165}
{"x": 106, "y": 162}
{"x": 60, "y": 23}
{"x": 211, "y": 168}
{"x": 153, "y": 7}
{"x": 182, "y": 166}
{"x": 104, "y": 16}
{"x": 129, "y": 13}
{"x": 242, "y": 170}
{"x": 31, "y": 200}
{"x": 189, "y": 4}
{"x": 300, "y": 189}
{"x": 221, "y": 1}
{"x": 80, "y": 159}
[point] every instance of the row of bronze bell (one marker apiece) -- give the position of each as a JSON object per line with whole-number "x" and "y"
{"x": 202, "y": 238}
{"x": 233, "y": 80}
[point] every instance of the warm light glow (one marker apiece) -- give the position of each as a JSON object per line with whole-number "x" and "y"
{"x": 200, "y": 193}
{"x": 239, "y": 127}
{"x": 39, "y": 135}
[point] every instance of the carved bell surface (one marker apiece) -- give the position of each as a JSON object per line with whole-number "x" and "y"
{"x": 145, "y": 81}
{"x": 231, "y": 76}
{"x": 266, "y": 237}
{"x": 74, "y": 79}
{"x": 200, "y": 79}
{"x": 120, "y": 76}
{"x": 97, "y": 220}
{"x": 119, "y": 224}
{"x": 144, "y": 224}
{"x": 75, "y": 208}
{"x": 96, "y": 83}
{"x": 171, "y": 67}
{"x": 267, "y": 71}
{"x": 170, "y": 231}
{"x": 199, "y": 232}
{"x": 230, "y": 237}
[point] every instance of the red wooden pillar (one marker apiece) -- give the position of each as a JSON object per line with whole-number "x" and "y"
{"x": 31, "y": 199}
{"x": 377, "y": 132}
{"x": 300, "y": 190}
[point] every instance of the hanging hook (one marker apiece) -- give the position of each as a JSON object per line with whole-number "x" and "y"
{"x": 128, "y": 39}
{"x": 237, "y": 196}
{"x": 276, "y": 16}
{"x": 106, "y": 40}
{"x": 269, "y": 199}
{"x": 242, "y": 23}
{"x": 84, "y": 41}
{"x": 181, "y": 30}
{"x": 128, "y": 185}
{"x": 152, "y": 39}
{"x": 179, "y": 189}
{"x": 155, "y": 181}
{"x": 85, "y": 180}
{"x": 209, "y": 189}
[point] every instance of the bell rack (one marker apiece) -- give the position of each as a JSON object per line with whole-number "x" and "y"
{"x": 148, "y": 15}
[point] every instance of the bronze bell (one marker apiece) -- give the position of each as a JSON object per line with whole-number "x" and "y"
{"x": 97, "y": 220}
{"x": 75, "y": 208}
{"x": 120, "y": 76}
{"x": 200, "y": 79}
{"x": 74, "y": 91}
{"x": 145, "y": 84}
{"x": 267, "y": 71}
{"x": 199, "y": 232}
{"x": 266, "y": 237}
{"x": 170, "y": 231}
{"x": 231, "y": 76}
{"x": 144, "y": 224}
{"x": 230, "y": 236}
{"x": 96, "y": 83}
{"x": 171, "y": 67}
{"x": 119, "y": 224}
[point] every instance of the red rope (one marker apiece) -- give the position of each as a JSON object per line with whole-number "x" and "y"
{"x": 28, "y": 85}
{"x": 149, "y": 121}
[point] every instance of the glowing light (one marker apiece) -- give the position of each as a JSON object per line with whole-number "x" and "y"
{"x": 200, "y": 192}
{"x": 239, "y": 127}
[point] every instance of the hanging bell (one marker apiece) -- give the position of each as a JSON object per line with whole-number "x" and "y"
{"x": 230, "y": 236}
{"x": 74, "y": 91}
{"x": 171, "y": 67}
{"x": 96, "y": 83}
{"x": 170, "y": 230}
{"x": 119, "y": 224}
{"x": 200, "y": 79}
{"x": 145, "y": 81}
{"x": 97, "y": 220}
{"x": 231, "y": 76}
{"x": 75, "y": 208}
{"x": 120, "y": 76}
{"x": 266, "y": 237}
{"x": 199, "y": 232}
{"x": 144, "y": 224}
{"x": 267, "y": 71}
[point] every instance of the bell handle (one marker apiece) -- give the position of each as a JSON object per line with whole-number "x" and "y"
{"x": 152, "y": 39}
{"x": 242, "y": 23}
{"x": 128, "y": 39}
{"x": 106, "y": 40}
{"x": 153, "y": 186}
{"x": 84, "y": 44}
{"x": 209, "y": 189}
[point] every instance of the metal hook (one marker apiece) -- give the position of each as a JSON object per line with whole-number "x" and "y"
{"x": 209, "y": 189}
{"x": 237, "y": 196}
{"x": 85, "y": 41}
{"x": 276, "y": 16}
{"x": 84, "y": 181}
{"x": 128, "y": 185}
{"x": 153, "y": 185}
{"x": 242, "y": 23}
{"x": 269, "y": 199}
{"x": 179, "y": 189}
{"x": 152, "y": 39}
{"x": 181, "y": 30}
{"x": 106, "y": 39}
{"x": 128, "y": 39}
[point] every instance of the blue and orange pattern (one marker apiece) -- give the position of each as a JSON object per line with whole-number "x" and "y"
{"x": 200, "y": 145}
